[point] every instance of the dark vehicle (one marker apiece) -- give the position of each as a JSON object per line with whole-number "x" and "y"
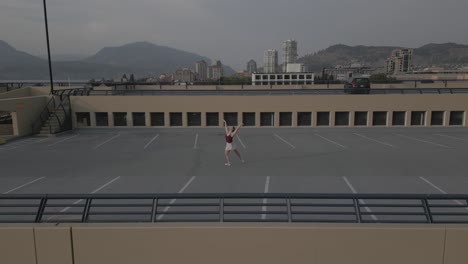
{"x": 358, "y": 85}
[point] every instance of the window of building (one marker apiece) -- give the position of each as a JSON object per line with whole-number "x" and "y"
{"x": 309, "y": 76}
{"x": 323, "y": 118}
{"x": 456, "y": 118}
{"x": 286, "y": 77}
{"x": 280, "y": 77}
{"x": 301, "y": 77}
{"x": 399, "y": 118}
{"x": 120, "y": 119}
{"x": 418, "y": 118}
{"x": 437, "y": 118}
{"x": 265, "y": 77}
{"x": 157, "y": 119}
{"x": 267, "y": 119}
{"x": 102, "y": 119}
{"x": 212, "y": 119}
{"x": 231, "y": 118}
{"x": 83, "y": 119}
{"x": 248, "y": 119}
{"x": 258, "y": 77}
{"x": 193, "y": 119}
{"x": 285, "y": 119}
{"x": 379, "y": 119}
{"x": 360, "y": 118}
{"x": 341, "y": 118}
{"x": 139, "y": 119}
{"x": 175, "y": 119}
{"x": 272, "y": 77}
{"x": 304, "y": 119}
{"x": 294, "y": 77}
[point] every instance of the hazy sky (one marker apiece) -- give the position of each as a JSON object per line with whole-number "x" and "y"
{"x": 233, "y": 31}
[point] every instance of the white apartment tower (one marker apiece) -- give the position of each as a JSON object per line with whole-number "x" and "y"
{"x": 400, "y": 61}
{"x": 201, "y": 69}
{"x": 289, "y": 53}
{"x": 270, "y": 61}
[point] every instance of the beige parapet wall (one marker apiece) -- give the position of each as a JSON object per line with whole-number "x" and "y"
{"x": 25, "y": 111}
{"x": 405, "y": 85}
{"x": 234, "y": 244}
{"x": 276, "y": 104}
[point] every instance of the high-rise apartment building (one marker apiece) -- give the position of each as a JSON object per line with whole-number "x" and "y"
{"x": 216, "y": 71}
{"x": 270, "y": 61}
{"x": 201, "y": 70}
{"x": 289, "y": 53}
{"x": 400, "y": 61}
{"x": 251, "y": 66}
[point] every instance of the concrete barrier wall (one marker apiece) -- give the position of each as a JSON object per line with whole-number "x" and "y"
{"x": 276, "y": 104}
{"x": 24, "y": 111}
{"x": 436, "y": 84}
{"x": 242, "y": 243}
{"x": 23, "y": 92}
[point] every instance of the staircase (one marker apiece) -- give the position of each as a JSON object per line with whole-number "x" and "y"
{"x": 53, "y": 123}
{"x": 55, "y": 118}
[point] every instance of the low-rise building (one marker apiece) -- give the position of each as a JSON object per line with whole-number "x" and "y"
{"x": 297, "y": 78}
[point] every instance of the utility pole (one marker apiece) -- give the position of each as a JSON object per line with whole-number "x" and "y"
{"x": 48, "y": 48}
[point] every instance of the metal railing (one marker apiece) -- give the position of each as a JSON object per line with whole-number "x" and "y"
{"x": 285, "y": 208}
{"x": 250, "y": 92}
{"x": 57, "y": 103}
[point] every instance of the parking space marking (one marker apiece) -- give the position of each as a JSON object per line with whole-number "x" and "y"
{"x": 196, "y": 142}
{"x": 24, "y": 185}
{"x": 425, "y": 141}
{"x": 452, "y": 137}
{"x": 282, "y": 139}
{"x": 24, "y": 143}
{"x": 375, "y": 140}
{"x": 360, "y": 200}
{"x": 61, "y": 141}
{"x": 107, "y": 141}
{"x": 441, "y": 190}
{"x": 174, "y": 200}
{"x": 151, "y": 141}
{"x": 265, "y": 201}
{"x": 331, "y": 141}
{"x": 242, "y": 143}
{"x": 79, "y": 201}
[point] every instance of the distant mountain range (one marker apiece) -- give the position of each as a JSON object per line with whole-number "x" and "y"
{"x": 143, "y": 59}
{"x": 427, "y": 55}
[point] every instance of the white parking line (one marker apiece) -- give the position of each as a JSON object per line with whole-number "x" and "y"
{"x": 441, "y": 191}
{"x": 61, "y": 141}
{"x": 425, "y": 141}
{"x": 151, "y": 141}
{"x": 79, "y": 201}
{"x": 375, "y": 140}
{"x": 452, "y": 137}
{"x": 196, "y": 142}
{"x": 174, "y": 200}
{"x": 107, "y": 141}
{"x": 331, "y": 141}
{"x": 282, "y": 139}
{"x": 267, "y": 188}
{"x": 360, "y": 200}
{"x": 242, "y": 143}
{"x": 24, "y": 185}
{"x": 23, "y": 143}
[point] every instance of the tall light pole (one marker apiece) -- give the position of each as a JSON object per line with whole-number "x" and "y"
{"x": 48, "y": 48}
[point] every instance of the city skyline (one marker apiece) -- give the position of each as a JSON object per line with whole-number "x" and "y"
{"x": 212, "y": 28}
